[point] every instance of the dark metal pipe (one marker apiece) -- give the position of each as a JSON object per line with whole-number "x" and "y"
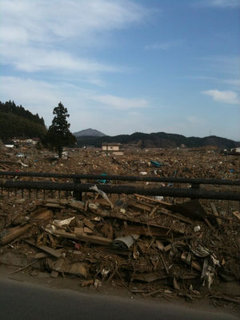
{"x": 119, "y": 189}
{"x": 121, "y": 178}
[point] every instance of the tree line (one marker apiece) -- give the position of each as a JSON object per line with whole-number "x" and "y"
{"x": 15, "y": 121}
{"x": 11, "y": 107}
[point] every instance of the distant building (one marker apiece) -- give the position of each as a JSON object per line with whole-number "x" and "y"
{"x": 27, "y": 142}
{"x": 113, "y": 148}
{"x": 236, "y": 150}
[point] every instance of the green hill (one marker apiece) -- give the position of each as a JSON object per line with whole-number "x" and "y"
{"x": 15, "y": 121}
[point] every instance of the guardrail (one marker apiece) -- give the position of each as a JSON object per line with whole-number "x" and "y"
{"x": 121, "y": 178}
{"x": 77, "y": 187}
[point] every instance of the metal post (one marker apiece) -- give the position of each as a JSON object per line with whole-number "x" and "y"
{"x": 77, "y": 194}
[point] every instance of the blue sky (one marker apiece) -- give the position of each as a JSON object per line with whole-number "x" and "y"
{"x": 122, "y": 66}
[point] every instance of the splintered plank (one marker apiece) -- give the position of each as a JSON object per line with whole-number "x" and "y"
{"x": 152, "y": 199}
{"x": 51, "y": 251}
{"x": 170, "y": 224}
{"x": 83, "y": 237}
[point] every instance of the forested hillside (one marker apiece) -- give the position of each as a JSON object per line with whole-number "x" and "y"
{"x": 160, "y": 140}
{"x": 15, "y": 121}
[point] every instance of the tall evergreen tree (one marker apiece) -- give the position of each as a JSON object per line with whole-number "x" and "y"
{"x": 58, "y": 134}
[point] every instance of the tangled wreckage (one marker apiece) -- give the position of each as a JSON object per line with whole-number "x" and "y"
{"x": 178, "y": 245}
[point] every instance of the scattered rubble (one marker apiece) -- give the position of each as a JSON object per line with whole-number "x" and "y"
{"x": 139, "y": 243}
{"x": 151, "y": 246}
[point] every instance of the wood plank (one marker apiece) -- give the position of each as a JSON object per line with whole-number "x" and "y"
{"x": 51, "y": 251}
{"x": 215, "y": 212}
{"x": 152, "y": 200}
{"x": 83, "y": 237}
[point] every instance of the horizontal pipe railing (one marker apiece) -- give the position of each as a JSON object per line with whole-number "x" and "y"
{"x": 121, "y": 178}
{"x": 122, "y": 189}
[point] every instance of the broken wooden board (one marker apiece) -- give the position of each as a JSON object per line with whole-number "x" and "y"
{"x": 175, "y": 226}
{"x": 64, "y": 266}
{"x": 215, "y": 212}
{"x": 139, "y": 205}
{"x": 139, "y": 196}
{"x": 83, "y": 237}
{"x": 148, "y": 277}
{"x": 10, "y": 234}
{"x": 41, "y": 214}
{"x": 52, "y": 252}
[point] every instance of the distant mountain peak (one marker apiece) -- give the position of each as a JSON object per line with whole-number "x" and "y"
{"x": 89, "y": 133}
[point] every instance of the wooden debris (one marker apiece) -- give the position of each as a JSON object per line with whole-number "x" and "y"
{"x": 193, "y": 264}
{"x": 164, "y": 263}
{"x": 11, "y": 234}
{"x": 148, "y": 277}
{"x": 175, "y": 284}
{"x": 236, "y": 214}
{"x": 83, "y": 237}
{"x": 48, "y": 250}
{"x": 139, "y": 196}
{"x": 163, "y": 260}
{"x": 160, "y": 245}
{"x": 215, "y": 212}
{"x": 62, "y": 266}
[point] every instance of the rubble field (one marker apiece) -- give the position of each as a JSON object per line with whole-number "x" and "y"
{"x": 152, "y": 246}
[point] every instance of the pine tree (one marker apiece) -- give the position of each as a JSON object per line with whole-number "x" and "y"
{"x": 58, "y": 134}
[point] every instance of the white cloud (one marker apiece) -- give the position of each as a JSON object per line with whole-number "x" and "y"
{"x": 120, "y": 103}
{"x": 164, "y": 45}
{"x": 229, "y": 97}
{"x": 219, "y": 3}
{"x": 34, "y": 60}
{"x": 39, "y": 35}
{"x": 44, "y": 20}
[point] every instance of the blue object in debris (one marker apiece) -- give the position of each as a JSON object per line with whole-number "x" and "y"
{"x": 156, "y": 164}
{"x": 103, "y": 180}
{"x": 231, "y": 170}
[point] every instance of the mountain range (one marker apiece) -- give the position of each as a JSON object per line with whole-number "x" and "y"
{"x": 158, "y": 140}
{"x": 16, "y": 121}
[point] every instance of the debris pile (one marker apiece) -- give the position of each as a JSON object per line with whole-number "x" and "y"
{"x": 151, "y": 162}
{"x": 149, "y": 246}
{"x": 153, "y": 246}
